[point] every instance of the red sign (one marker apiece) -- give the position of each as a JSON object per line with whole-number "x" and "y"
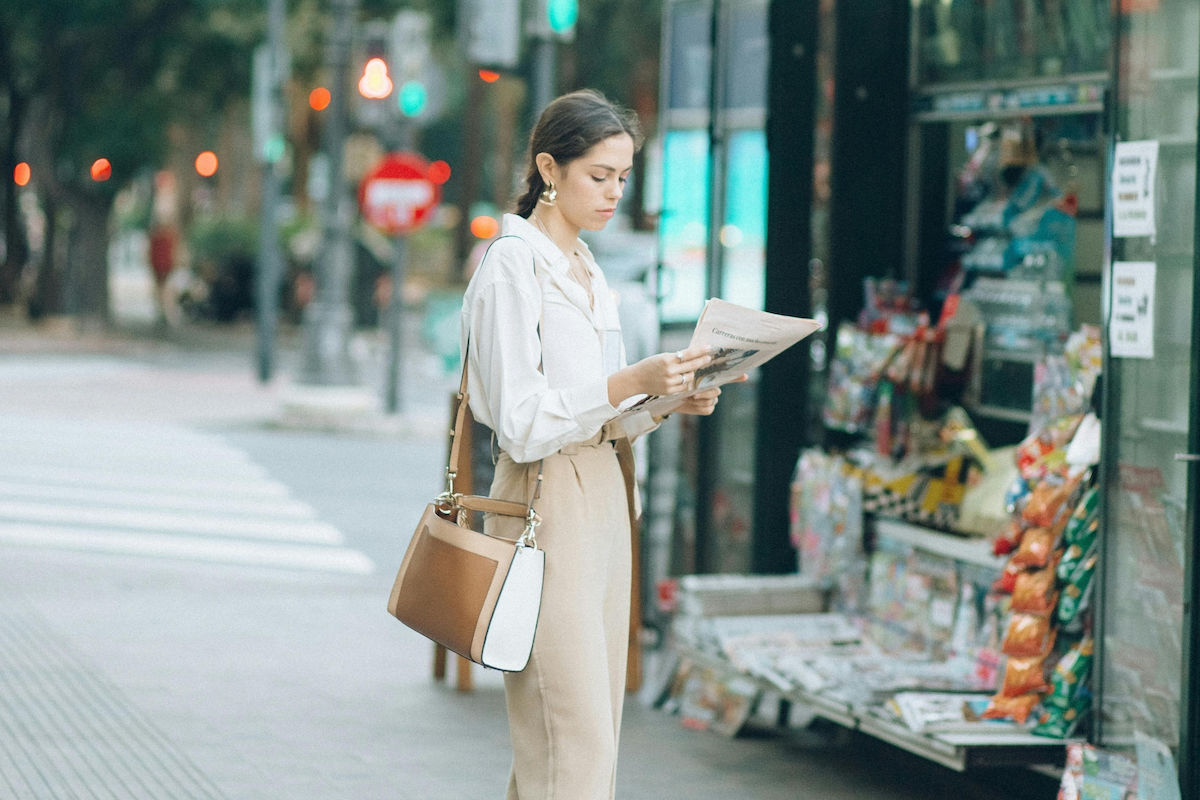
{"x": 398, "y": 196}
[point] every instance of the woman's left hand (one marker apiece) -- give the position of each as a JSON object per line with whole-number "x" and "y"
{"x": 704, "y": 402}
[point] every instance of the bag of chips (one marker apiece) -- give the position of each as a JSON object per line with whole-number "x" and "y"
{"x": 1076, "y": 593}
{"x": 1086, "y": 510}
{"x": 1017, "y": 709}
{"x": 1059, "y": 723}
{"x": 1076, "y": 552}
{"x": 1029, "y": 636}
{"x": 1024, "y": 675}
{"x": 1034, "y": 592}
{"x": 1070, "y": 674}
{"x": 1036, "y": 549}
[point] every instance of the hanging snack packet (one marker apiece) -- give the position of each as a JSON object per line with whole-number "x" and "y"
{"x": 1036, "y": 549}
{"x": 1034, "y": 591}
{"x": 1059, "y": 723}
{"x": 1086, "y": 510}
{"x": 1070, "y": 675}
{"x": 1077, "y": 591}
{"x": 1024, "y": 675}
{"x": 1017, "y": 709}
{"x": 1029, "y": 636}
{"x": 1077, "y": 551}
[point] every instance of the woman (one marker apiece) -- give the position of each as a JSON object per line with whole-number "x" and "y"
{"x": 547, "y": 375}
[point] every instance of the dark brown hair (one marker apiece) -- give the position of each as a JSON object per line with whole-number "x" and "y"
{"x": 569, "y": 127}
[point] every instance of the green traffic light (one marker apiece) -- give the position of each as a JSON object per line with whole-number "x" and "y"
{"x": 273, "y": 149}
{"x": 412, "y": 98}
{"x": 562, "y": 15}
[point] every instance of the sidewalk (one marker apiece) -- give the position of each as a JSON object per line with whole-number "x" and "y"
{"x": 129, "y": 677}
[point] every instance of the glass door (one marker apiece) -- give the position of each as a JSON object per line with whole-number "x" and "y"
{"x": 1150, "y": 376}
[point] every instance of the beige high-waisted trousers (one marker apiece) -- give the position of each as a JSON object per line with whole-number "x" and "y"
{"x": 564, "y": 709}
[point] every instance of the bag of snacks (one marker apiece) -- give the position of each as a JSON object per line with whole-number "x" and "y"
{"x": 1024, "y": 675}
{"x": 1034, "y": 592}
{"x": 1017, "y": 708}
{"x": 1036, "y": 548}
{"x": 1076, "y": 593}
{"x": 1029, "y": 636}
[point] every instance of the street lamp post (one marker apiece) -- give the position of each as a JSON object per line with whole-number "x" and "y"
{"x": 328, "y": 319}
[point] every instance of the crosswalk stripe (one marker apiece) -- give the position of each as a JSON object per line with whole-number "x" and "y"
{"x": 163, "y": 501}
{"x": 146, "y": 460}
{"x": 232, "y": 551}
{"x": 156, "y": 491}
{"x": 75, "y": 475}
{"x": 203, "y": 524}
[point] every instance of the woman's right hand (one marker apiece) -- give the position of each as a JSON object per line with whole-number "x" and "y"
{"x": 661, "y": 374}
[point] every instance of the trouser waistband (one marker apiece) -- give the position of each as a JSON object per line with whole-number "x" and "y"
{"x": 602, "y": 438}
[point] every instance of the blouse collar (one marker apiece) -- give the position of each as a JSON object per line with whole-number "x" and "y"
{"x": 543, "y": 245}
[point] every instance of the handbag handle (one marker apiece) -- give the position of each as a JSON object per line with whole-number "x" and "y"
{"x": 508, "y": 508}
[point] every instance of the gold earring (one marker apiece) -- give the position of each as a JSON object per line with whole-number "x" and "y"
{"x": 549, "y": 194}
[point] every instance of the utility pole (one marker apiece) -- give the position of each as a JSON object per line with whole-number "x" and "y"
{"x": 328, "y": 320}
{"x": 270, "y": 68}
{"x": 551, "y": 22}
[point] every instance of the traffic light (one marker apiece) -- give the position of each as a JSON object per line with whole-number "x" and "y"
{"x": 554, "y": 19}
{"x": 412, "y": 98}
{"x": 562, "y": 15}
{"x": 409, "y": 49}
{"x": 375, "y": 83}
{"x": 101, "y": 170}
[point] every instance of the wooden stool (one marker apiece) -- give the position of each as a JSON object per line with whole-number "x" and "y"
{"x": 463, "y": 484}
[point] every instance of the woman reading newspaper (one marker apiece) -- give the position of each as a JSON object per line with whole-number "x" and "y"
{"x": 547, "y": 374}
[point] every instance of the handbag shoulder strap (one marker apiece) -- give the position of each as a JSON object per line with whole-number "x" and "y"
{"x": 461, "y": 403}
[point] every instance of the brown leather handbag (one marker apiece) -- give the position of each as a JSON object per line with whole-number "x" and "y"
{"x": 474, "y": 594}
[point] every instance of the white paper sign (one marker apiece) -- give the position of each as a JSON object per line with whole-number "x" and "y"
{"x": 1135, "y": 164}
{"x": 1131, "y": 318}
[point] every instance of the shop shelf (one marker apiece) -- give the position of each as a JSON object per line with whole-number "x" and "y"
{"x": 960, "y": 548}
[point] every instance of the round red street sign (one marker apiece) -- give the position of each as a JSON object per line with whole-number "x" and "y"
{"x": 397, "y": 196}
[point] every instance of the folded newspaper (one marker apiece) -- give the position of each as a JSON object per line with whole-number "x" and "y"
{"x": 741, "y": 339}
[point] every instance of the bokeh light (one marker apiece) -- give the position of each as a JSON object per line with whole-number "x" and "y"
{"x": 207, "y": 163}
{"x": 319, "y": 99}
{"x": 21, "y": 174}
{"x": 375, "y": 83}
{"x": 489, "y": 76}
{"x": 439, "y": 172}
{"x": 101, "y": 169}
{"x": 484, "y": 227}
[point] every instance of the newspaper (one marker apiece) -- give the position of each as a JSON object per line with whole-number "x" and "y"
{"x": 741, "y": 339}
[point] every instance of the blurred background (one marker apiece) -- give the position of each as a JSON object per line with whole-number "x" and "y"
{"x": 223, "y": 215}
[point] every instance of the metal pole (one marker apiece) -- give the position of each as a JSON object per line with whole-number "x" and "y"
{"x": 328, "y": 320}
{"x": 396, "y": 325}
{"x": 270, "y": 259}
{"x": 544, "y": 67}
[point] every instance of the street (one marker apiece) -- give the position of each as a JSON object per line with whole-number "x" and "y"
{"x": 192, "y": 604}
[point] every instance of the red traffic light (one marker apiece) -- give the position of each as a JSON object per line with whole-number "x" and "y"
{"x": 101, "y": 169}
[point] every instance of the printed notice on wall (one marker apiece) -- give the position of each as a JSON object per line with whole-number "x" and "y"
{"x": 1133, "y": 188}
{"x": 1131, "y": 321}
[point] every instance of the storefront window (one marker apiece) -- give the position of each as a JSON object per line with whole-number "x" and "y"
{"x": 1151, "y": 282}
{"x": 683, "y": 230}
{"x": 965, "y": 40}
{"x": 743, "y": 235}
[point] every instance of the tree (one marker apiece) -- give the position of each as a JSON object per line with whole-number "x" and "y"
{"x": 103, "y": 79}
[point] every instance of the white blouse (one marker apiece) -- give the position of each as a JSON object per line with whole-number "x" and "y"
{"x": 523, "y": 279}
